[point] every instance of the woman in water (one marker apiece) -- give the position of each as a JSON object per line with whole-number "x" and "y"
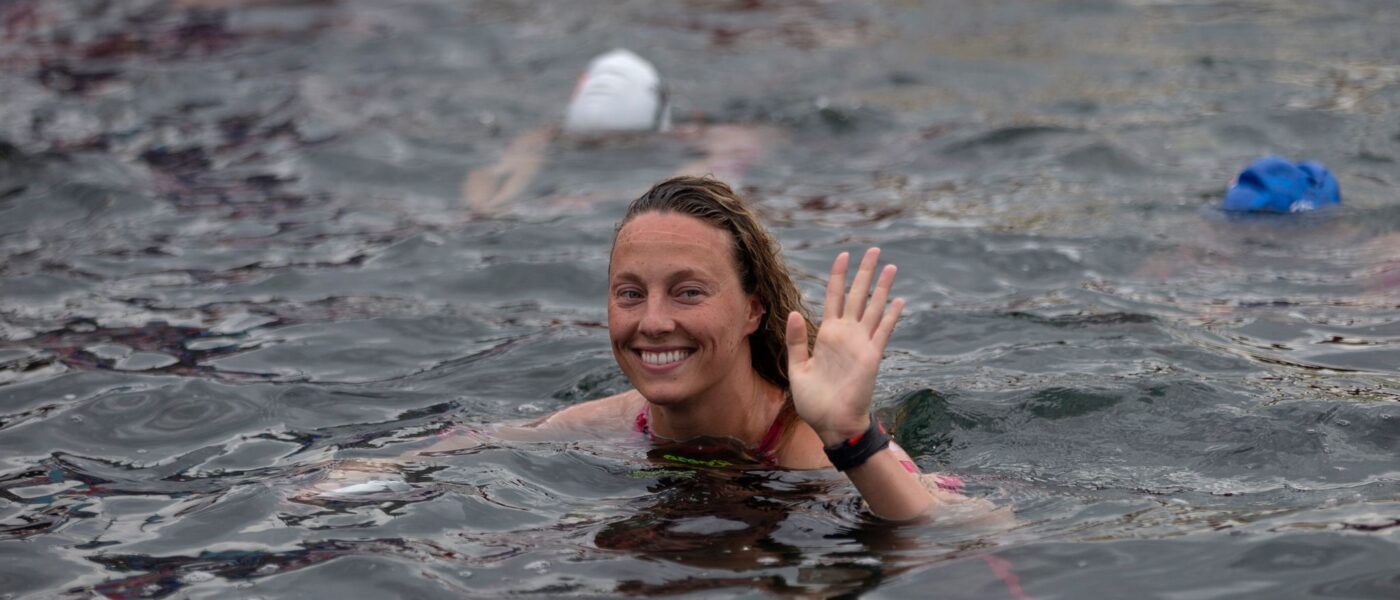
{"x": 711, "y": 331}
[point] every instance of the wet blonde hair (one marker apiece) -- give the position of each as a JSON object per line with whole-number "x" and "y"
{"x": 756, "y": 256}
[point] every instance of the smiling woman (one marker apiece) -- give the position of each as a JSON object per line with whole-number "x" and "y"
{"x": 727, "y": 366}
{"x": 710, "y": 329}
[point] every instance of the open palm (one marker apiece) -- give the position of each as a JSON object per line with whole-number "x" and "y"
{"x": 833, "y": 383}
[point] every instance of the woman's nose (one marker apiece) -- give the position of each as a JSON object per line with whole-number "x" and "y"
{"x": 656, "y": 320}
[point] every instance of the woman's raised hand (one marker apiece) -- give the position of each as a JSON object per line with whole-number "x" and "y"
{"x": 833, "y": 384}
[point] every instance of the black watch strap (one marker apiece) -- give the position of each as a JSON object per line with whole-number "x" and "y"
{"x": 854, "y": 452}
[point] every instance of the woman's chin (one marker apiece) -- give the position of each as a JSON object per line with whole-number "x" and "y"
{"x": 665, "y": 395}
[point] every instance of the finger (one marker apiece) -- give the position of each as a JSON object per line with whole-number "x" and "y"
{"x": 796, "y": 340}
{"x": 876, "y": 308}
{"x": 882, "y": 333}
{"x": 836, "y": 287}
{"x": 860, "y": 286}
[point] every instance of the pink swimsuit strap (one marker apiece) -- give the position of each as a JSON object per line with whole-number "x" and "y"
{"x": 763, "y": 451}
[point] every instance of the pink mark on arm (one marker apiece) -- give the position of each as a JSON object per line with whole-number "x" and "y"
{"x": 909, "y": 466}
{"x": 951, "y": 483}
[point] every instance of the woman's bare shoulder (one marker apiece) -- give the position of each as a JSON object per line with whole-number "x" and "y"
{"x": 601, "y": 418}
{"x": 616, "y": 412}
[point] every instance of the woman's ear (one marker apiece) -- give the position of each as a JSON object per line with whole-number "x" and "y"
{"x": 756, "y": 312}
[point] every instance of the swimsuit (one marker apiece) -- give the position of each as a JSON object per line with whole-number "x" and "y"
{"x": 762, "y": 453}
{"x": 721, "y": 453}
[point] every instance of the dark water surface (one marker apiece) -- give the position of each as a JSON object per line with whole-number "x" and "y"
{"x": 232, "y": 249}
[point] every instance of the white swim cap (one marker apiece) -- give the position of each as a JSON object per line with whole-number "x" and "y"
{"x": 619, "y": 91}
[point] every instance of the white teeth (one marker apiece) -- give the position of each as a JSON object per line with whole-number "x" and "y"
{"x": 663, "y": 358}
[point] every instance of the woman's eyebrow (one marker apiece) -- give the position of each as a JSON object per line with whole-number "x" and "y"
{"x": 680, "y": 275}
{"x": 688, "y": 274}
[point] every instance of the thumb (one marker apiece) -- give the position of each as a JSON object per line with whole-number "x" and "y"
{"x": 796, "y": 339}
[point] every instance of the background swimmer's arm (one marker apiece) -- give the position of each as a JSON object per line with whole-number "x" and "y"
{"x": 832, "y": 384}
{"x": 486, "y": 190}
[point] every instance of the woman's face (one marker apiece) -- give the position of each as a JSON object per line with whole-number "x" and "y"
{"x": 678, "y": 316}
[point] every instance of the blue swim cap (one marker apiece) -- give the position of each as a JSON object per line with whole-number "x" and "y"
{"x": 1272, "y": 184}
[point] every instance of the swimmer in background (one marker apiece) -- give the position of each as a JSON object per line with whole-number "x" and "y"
{"x": 620, "y": 93}
{"x": 1268, "y": 187}
{"x": 710, "y": 329}
{"x": 1275, "y": 201}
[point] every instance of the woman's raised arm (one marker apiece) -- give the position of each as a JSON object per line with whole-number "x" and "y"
{"x": 832, "y": 386}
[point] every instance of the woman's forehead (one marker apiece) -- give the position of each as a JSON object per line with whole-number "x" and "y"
{"x": 658, "y": 239}
{"x": 659, "y": 230}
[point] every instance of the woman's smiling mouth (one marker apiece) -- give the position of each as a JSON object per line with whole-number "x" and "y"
{"x": 663, "y": 358}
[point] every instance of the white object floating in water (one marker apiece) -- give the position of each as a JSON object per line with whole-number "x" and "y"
{"x": 619, "y": 91}
{"x": 373, "y": 486}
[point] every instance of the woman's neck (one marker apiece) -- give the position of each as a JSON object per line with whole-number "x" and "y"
{"x": 743, "y": 410}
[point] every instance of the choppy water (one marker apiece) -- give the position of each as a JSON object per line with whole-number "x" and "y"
{"x": 232, "y": 248}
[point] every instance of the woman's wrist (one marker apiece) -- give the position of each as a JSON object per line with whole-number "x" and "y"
{"x": 836, "y": 435}
{"x": 854, "y": 451}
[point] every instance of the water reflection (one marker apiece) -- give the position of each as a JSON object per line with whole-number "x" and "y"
{"x": 232, "y": 247}
{"x": 159, "y": 577}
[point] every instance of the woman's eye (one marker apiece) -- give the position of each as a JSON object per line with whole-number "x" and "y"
{"x": 691, "y": 293}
